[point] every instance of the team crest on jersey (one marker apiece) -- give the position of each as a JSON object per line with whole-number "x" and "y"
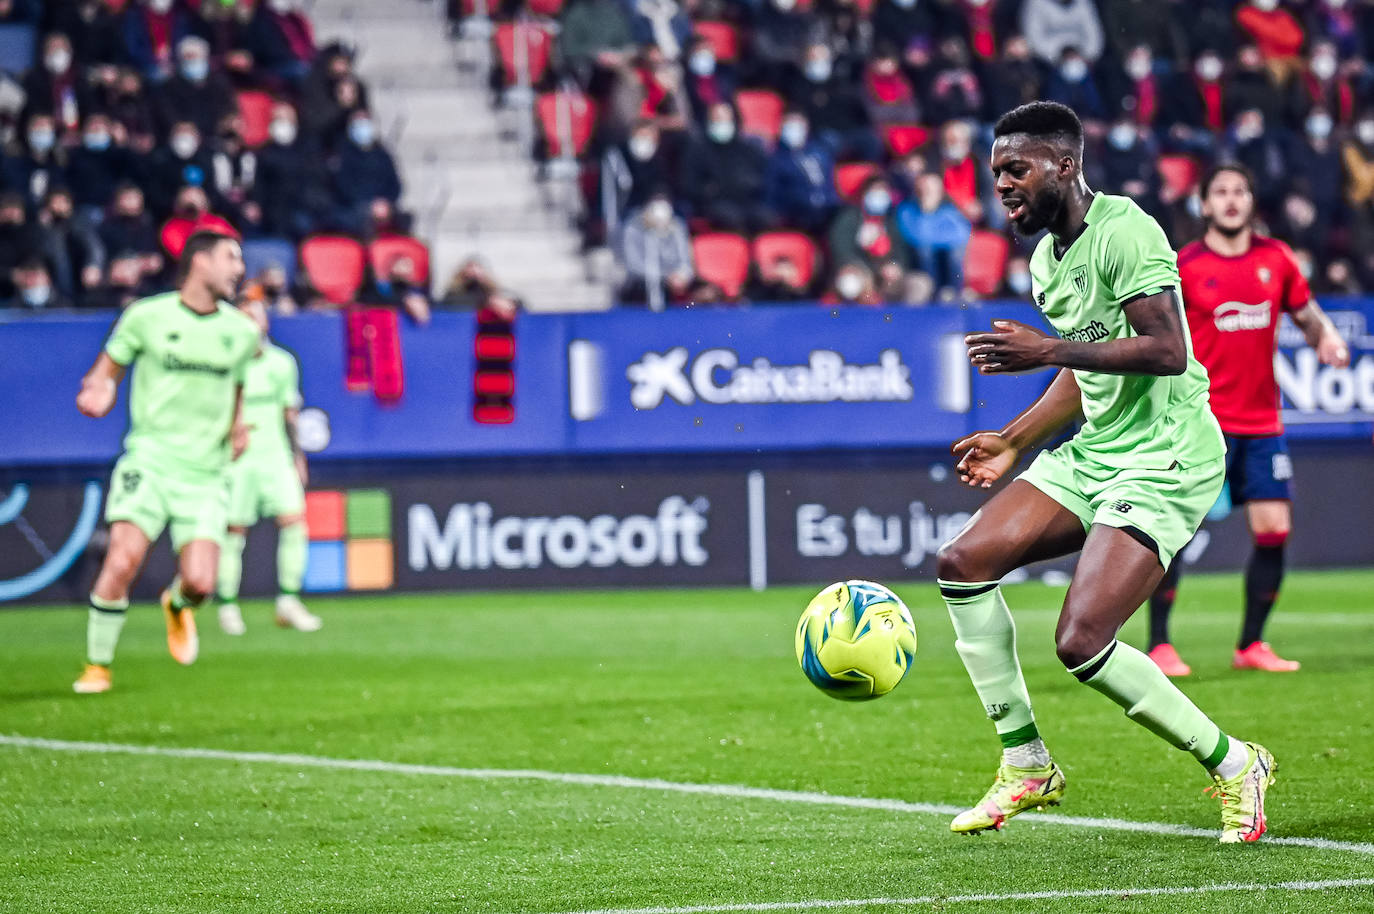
{"x": 1079, "y": 278}
{"x": 1264, "y": 274}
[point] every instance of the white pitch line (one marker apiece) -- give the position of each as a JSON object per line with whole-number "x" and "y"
{"x": 734, "y": 791}
{"x": 831, "y": 904}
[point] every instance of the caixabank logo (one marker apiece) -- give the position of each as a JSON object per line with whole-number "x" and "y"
{"x": 350, "y": 540}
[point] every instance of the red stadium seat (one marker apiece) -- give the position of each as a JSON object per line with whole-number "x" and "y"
{"x": 177, "y": 230}
{"x": 536, "y": 43}
{"x": 566, "y": 116}
{"x": 382, "y": 253}
{"x": 336, "y": 265}
{"x": 985, "y": 262}
{"x": 722, "y": 259}
{"x": 549, "y": 8}
{"x": 255, "y": 108}
{"x": 850, "y": 176}
{"x": 1179, "y": 173}
{"x": 770, "y": 247}
{"x": 760, "y": 113}
{"x": 901, "y": 139}
{"x": 723, "y": 37}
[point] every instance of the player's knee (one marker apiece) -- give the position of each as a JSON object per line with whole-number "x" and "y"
{"x": 958, "y": 560}
{"x": 121, "y": 565}
{"x": 1079, "y": 642}
{"x": 1271, "y": 539}
{"x": 197, "y": 585}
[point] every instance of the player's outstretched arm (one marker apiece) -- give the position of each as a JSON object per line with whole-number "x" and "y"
{"x": 1160, "y": 347}
{"x": 984, "y": 457}
{"x": 1322, "y": 335}
{"x": 99, "y": 387}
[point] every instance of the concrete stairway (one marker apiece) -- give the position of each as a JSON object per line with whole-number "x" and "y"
{"x": 466, "y": 167}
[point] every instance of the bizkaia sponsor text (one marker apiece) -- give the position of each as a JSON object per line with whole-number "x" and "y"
{"x": 473, "y": 537}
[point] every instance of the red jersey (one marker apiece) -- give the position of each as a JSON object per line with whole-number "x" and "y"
{"x": 1234, "y": 305}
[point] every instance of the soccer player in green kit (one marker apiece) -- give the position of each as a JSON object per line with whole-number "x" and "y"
{"x": 189, "y": 350}
{"x": 268, "y": 480}
{"x": 1127, "y": 491}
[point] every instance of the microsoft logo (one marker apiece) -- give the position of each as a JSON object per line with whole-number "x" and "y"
{"x": 350, "y": 540}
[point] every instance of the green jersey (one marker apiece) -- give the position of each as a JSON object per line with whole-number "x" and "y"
{"x": 186, "y": 369}
{"x": 271, "y": 386}
{"x": 1132, "y": 420}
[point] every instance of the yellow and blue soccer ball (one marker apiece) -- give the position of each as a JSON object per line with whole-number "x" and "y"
{"x": 856, "y": 640}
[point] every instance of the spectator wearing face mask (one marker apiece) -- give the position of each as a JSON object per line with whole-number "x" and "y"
{"x": 630, "y": 173}
{"x": 291, "y": 187}
{"x": 656, "y": 253}
{"x": 799, "y": 181}
{"x": 866, "y": 233}
{"x": 777, "y": 43}
{"x": 834, "y": 107}
{"x": 1012, "y": 79}
{"x": 128, "y": 228}
{"x": 1134, "y": 89}
{"x": 92, "y": 26}
{"x": 233, "y": 175}
{"x": 363, "y": 172}
{"x": 39, "y": 165}
{"x": 98, "y": 166}
{"x": 1016, "y": 284}
{"x": 34, "y": 289}
{"x": 194, "y": 93}
{"x": 955, "y": 91}
{"x": 1275, "y": 31}
{"x": 53, "y": 87}
{"x": 1129, "y": 164}
{"x": 1321, "y": 84}
{"x": 936, "y": 233}
{"x": 888, "y": 97}
{"x": 281, "y": 40}
{"x": 398, "y": 288}
{"x": 329, "y": 96}
{"x": 1054, "y": 26}
{"x": 1313, "y": 160}
{"x": 722, "y": 176}
{"x": 184, "y": 160}
{"x": 70, "y": 248}
{"x": 19, "y": 241}
{"x": 707, "y": 80}
{"x": 1072, "y": 84}
{"x": 964, "y": 174}
{"x": 853, "y": 285}
{"x": 1197, "y": 111}
{"x": 152, "y": 30}
{"x": 1253, "y": 143}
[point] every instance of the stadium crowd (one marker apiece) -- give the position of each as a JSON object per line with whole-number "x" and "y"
{"x": 865, "y": 125}
{"x": 136, "y": 121}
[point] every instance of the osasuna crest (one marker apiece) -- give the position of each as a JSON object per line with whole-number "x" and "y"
{"x": 1264, "y": 274}
{"x": 1079, "y": 278}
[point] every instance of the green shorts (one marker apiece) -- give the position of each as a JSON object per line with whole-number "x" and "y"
{"x": 152, "y": 498}
{"x": 263, "y": 489}
{"x": 1167, "y": 506}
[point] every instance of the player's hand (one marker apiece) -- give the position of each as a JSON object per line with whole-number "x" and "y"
{"x": 1011, "y": 346}
{"x": 986, "y": 457}
{"x": 238, "y": 439}
{"x": 302, "y": 470}
{"x": 1332, "y": 350}
{"x": 97, "y": 397}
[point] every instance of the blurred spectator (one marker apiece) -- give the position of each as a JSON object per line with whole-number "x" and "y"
{"x": 1340, "y": 23}
{"x": 1251, "y": 85}
{"x": 1197, "y": 106}
{"x": 778, "y": 282}
{"x": 39, "y": 165}
{"x": 778, "y": 42}
{"x": 190, "y": 213}
{"x": 153, "y": 29}
{"x": 270, "y": 287}
{"x": 867, "y": 234}
{"x": 1134, "y": 89}
{"x": 799, "y": 181}
{"x": 1016, "y": 284}
{"x": 291, "y": 187}
{"x": 54, "y": 86}
{"x": 364, "y": 172}
{"x": 19, "y": 241}
{"x": 955, "y": 91}
{"x": 1054, "y": 26}
{"x": 844, "y": 27}
{"x": 125, "y": 281}
{"x": 708, "y": 81}
{"x": 1358, "y": 157}
{"x": 834, "y": 107}
{"x": 1274, "y": 30}
{"x": 34, "y": 290}
{"x": 330, "y": 95}
{"x": 131, "y": 110}
{"x": 129, "y": 228}
{"x": 937, "y": 234}
{"x": 70, "y": 248}
{"x": 966, "y": 178}
{"x": 92, "y": 28}
{"x": 902, "y": 22}
{"x": 595, "y": 42}
{"x": 656, "y": 253}
{"x": 281, "y": 39}
{"x": 398, "y": 288}
{"x": 97, "y": 167}
{"x": 983, "y": 24}
{"x": 470, "y": 286}
{"x": 1313, "y": 161}
{"x": 1142, "y": 23}
{"x": 1321, "y": 84}
{"x": 630, "y": 172}
{"x": 888, "y": 97}
{"x": 722, "y": 178}
{"x": 1298, "y": 224}
{"x": 1339, "y": 279}
{"x": 1012, "y": 79}
{"x": 183, "y": 161}
{"x": 1253, "y": 143}
{"x": 908, "y": 169}
{"x": 1208, "y": 25}
{"x": 1072, "y": 84}
{"x": 194, "y": 94}
{"x": 660, "y": 22}
{"x": 853, "y": 285}
{"x": 233, "y": 175}
{"x": 1130, "y": 165}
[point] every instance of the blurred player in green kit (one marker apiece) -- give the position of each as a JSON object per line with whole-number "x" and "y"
{"x": 189, "y": 350}
{"x": 268, "y": 480}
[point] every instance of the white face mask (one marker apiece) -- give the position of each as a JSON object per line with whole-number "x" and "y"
{"x": 281, "y": 7}
{"x": 1365, "y": 131}
{"x": 658, "y": 213}
{"x": 1324, "y": 66}
{"x": 1209, "y": 68}
{"x": 721, "y": 131}
{"x": 877, "y": 201}
{"x": 160, "y": 6}
{"x": 1075, "y": 70}
{"x": 37, "y": 296}
{"x": 643, "y": 146}
{"x": 1138, "y": 68}
{"x": 282, "y": 131}
{"x": 362, "y": 132}
{"x": 1019, "y": 282}
{"x": 1267, "y": 6}
{"x": 184, "y": 145}
{"x": 702, "y": 63}
{"x": 1319, "y": 126}
{"x": 849, "y": 285}
{"x": 1121, "y": 137}
{"x": 793, "y": 133}
{"x": 58, "y": 61}
{"x": 785, "y": 6}
{"x": 818, "y": 69}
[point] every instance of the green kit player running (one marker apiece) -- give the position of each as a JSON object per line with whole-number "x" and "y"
{"x": 189, "y": 350}
{"x": 268, "y": 481}
{"x": 1128, "y": 490}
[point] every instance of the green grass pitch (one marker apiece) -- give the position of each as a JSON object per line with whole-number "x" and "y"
{"x": 692, "y": 687}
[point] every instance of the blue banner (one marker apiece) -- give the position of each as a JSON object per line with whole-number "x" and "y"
{"x": 787, "y": 378}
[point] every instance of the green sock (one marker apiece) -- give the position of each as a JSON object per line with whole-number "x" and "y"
{"x": 1132, "y": 680}
{"x": 230, "y": 567}
{"x": 291, "y": 552}
{"x": 104, "y": 622}
{"x": 986, "y": 640}
{"x": 179, "y": 598}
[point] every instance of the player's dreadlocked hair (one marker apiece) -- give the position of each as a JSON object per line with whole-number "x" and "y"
{"x": 1217, "y": 171}
{"x": 1049, "y": 120}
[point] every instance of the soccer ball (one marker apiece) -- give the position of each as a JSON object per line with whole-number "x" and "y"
{"x": 855, "y": 640}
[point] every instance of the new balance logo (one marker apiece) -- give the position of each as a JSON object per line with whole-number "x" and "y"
{"x": 1121, "y": 507}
